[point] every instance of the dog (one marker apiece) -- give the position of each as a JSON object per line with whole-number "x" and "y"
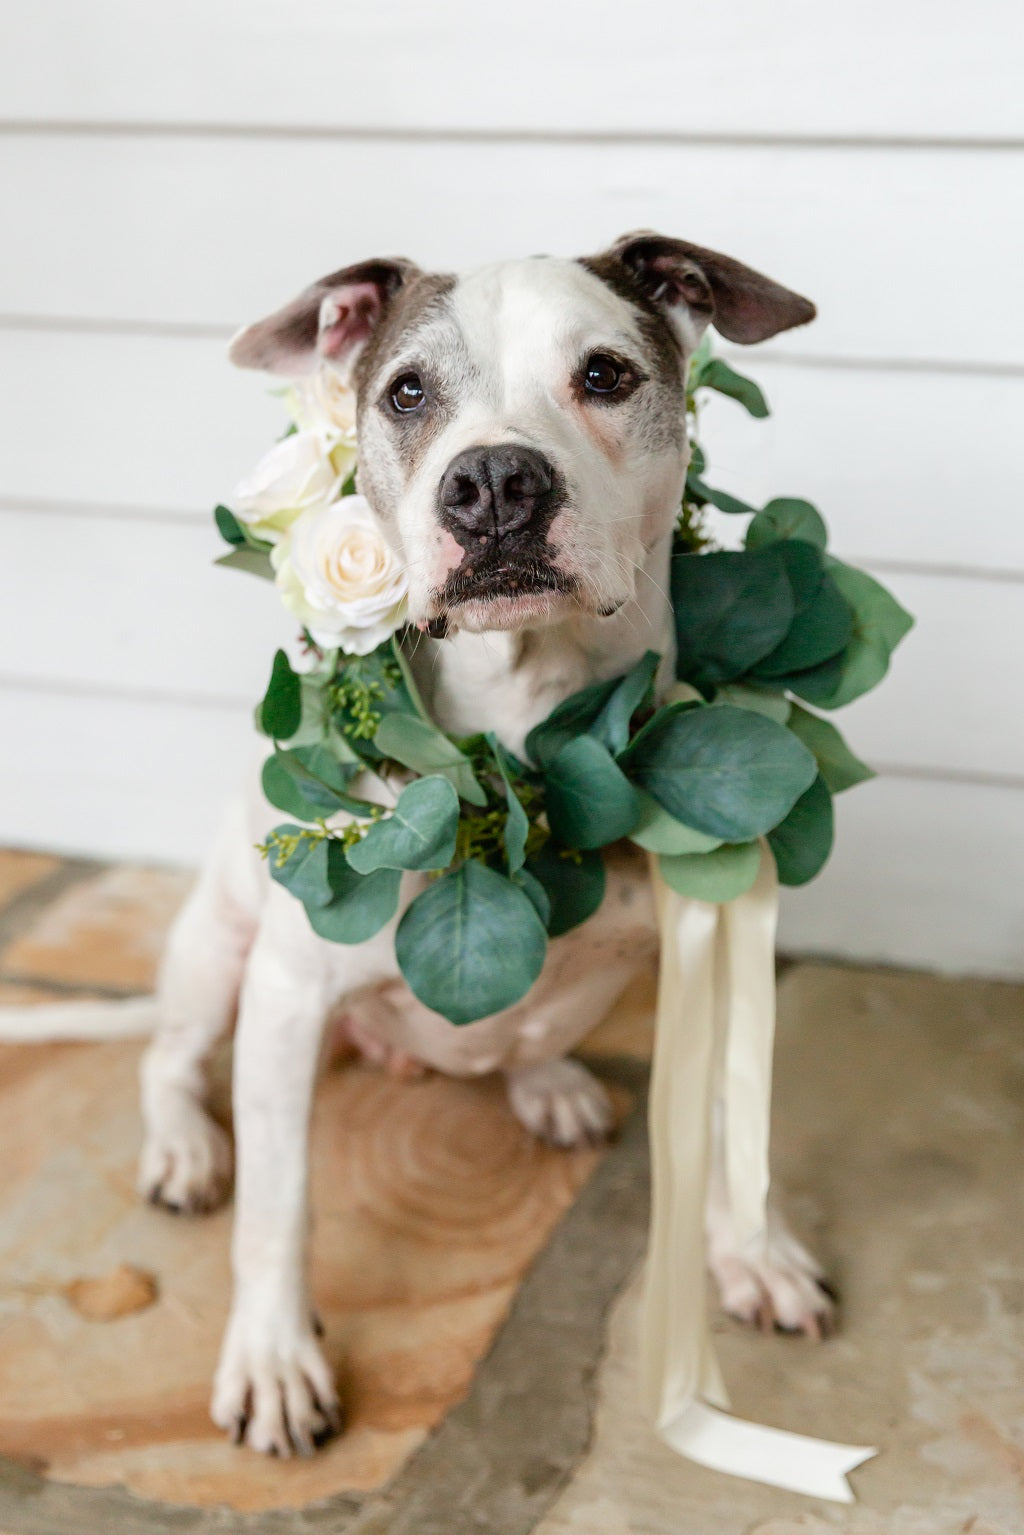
{"x": 522, "y": 439}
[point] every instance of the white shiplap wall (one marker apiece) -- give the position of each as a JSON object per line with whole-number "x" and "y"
{"x": 167, "y": 173}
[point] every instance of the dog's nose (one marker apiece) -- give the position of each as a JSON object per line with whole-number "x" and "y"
{"x": 494, "y": 491}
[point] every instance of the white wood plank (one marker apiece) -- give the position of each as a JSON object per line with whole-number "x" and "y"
{"x": 217, "y": 231}
{"x": 134, "y": 605}
{"x": 923, "y": 874}
{"x": 121, "y": 604}
{"x": 904, "y": 466}
{"x": 874, "y": 69}
{"x": 120, "y": 778}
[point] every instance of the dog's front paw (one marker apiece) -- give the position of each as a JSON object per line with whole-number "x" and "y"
{"x": 560, "y": 1102}
{"x": 783, "y": 1289}
{"x": 186, "y": 1160}
{"x": 274, "y": 1390}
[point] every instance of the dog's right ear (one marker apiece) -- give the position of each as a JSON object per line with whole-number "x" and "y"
{"x": 331, "y": 320}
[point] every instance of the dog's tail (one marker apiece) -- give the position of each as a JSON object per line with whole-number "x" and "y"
{"x": 47, "y": 1023}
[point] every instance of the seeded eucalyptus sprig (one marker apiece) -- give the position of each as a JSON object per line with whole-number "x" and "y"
{"x": 508, "y": 852}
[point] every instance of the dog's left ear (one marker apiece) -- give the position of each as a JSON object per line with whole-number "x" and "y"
{"x": 331, "y": 319}
{"x": 742, "y": 304}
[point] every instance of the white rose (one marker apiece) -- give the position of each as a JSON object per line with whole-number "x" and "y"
{"x": 295, "y": 474}
{"x": 339, "y": 576}
{"x": 322, "y": 403}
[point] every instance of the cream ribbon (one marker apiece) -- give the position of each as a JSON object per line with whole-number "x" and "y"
{"x": 715, "y": 1021}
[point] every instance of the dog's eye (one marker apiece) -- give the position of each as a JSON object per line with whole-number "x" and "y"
{"x": 602, "y": 374}
{"x": 407, "y": 393}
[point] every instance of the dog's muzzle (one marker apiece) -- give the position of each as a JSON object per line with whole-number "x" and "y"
{"x": 504, "y": 495}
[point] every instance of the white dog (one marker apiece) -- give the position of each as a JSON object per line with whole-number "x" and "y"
{"x": 522, "y": 439}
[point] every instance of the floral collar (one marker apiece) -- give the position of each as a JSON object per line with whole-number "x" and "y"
{"x": 733, "y": 759}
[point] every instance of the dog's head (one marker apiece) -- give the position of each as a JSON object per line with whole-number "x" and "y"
{"x": 522, "y": 430}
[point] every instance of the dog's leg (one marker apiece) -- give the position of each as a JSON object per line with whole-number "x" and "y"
{"x": 273, "y": 1387}
{"x": 186, "y": 1157}
{"x": 783, "y": 1286}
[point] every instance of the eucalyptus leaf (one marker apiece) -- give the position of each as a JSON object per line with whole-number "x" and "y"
{"x": 574, "y": 882}
{"x": 303, "y": 872}
{"x": 803, "y": 841}
{"x": 762, "y": 700}
{"x": 879, "y": 624}
{"x": 658, "y": 832}
{"x": 569, "y": 719}
{"x": 310, "y": 783}
{"x": 255, "y": 562}
{"x": 471, "y": 944}
{"x": 820, "y": 630}
{"x": 787, "y": 517}
{"x": 721, "y": 875}
{"x": 417, "y": 744}
{"x": 517, "y": 823}
{"x": 728, "y": 772}
{"x": 590, "y": 801}
{"x": 408, "y": 679}
{"x": 836, "y": 762}
{"x": 228, "y": 526}
{"x": 731, "y": 610}
{"x": 360, "y": 904}
{"x": 611, "y": 726}
{"x": 532, "y": 887}
{"x": 418, "y": 834}
{"x": 699, "y": 490}
{"x": 280, "y": 714}
{"x": 716, "y": 374}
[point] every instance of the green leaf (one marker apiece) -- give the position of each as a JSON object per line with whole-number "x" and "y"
{"x": 574, "y": 883}
{"x": 731, "y": 610}
{"x": 658, "y": 832}
{"x": 517, "y": 823}
{"x": 725, "y": 771}
{"x": 717, "y": 876}
{"x": 418, "y": 834}
{"x": 822, "y": 628}
{"x": 569, "y": 719}
{"x": 471, "y": 944}
{"x": 360, "y": 905}
{"x": 407, "y": 677}
{"x": 836, "y": 762}
{"x": 304, "y": 872}
{"x": 589, "y": 800}
{"x": 532, "y": 887}
{"x": 716, "y": 374}
{"x": 762, "y": 700}
{"x": 802, "y": 842}
{"x": 228, "y": 526}
{"x": 611, "y": 726}
{"x": 310, "y": 783}
{"x": 255, "y": 562}
{"x": 280, "y": 713}
{"x": 787, "y": 517}
{"x": 699, "y": 490}
{"x": 879, "y": 624}
{"x": 421, "y": 746}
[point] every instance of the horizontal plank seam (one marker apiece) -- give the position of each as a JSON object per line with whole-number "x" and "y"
{"x": 748, "y": 139}
{"x": 202, "y": 330}
{"x": 152, "y": 696}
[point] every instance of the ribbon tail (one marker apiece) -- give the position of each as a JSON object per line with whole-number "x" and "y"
{"x": 774, "y": 1456}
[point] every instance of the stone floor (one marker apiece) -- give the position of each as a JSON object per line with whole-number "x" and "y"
{"x": 898, "y": 1136}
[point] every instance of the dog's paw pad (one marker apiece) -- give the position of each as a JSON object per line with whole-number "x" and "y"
{"x": 186, "y": 1165}
{"x": 561, "y": 1102}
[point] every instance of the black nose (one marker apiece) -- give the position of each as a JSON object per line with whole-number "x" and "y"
{"x": 490, "y": 492}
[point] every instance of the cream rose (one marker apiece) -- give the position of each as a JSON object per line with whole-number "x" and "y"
{"x": 340, "y": 578}
{"x": 322, "y": 403}
{"x": 295, "y": 474}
